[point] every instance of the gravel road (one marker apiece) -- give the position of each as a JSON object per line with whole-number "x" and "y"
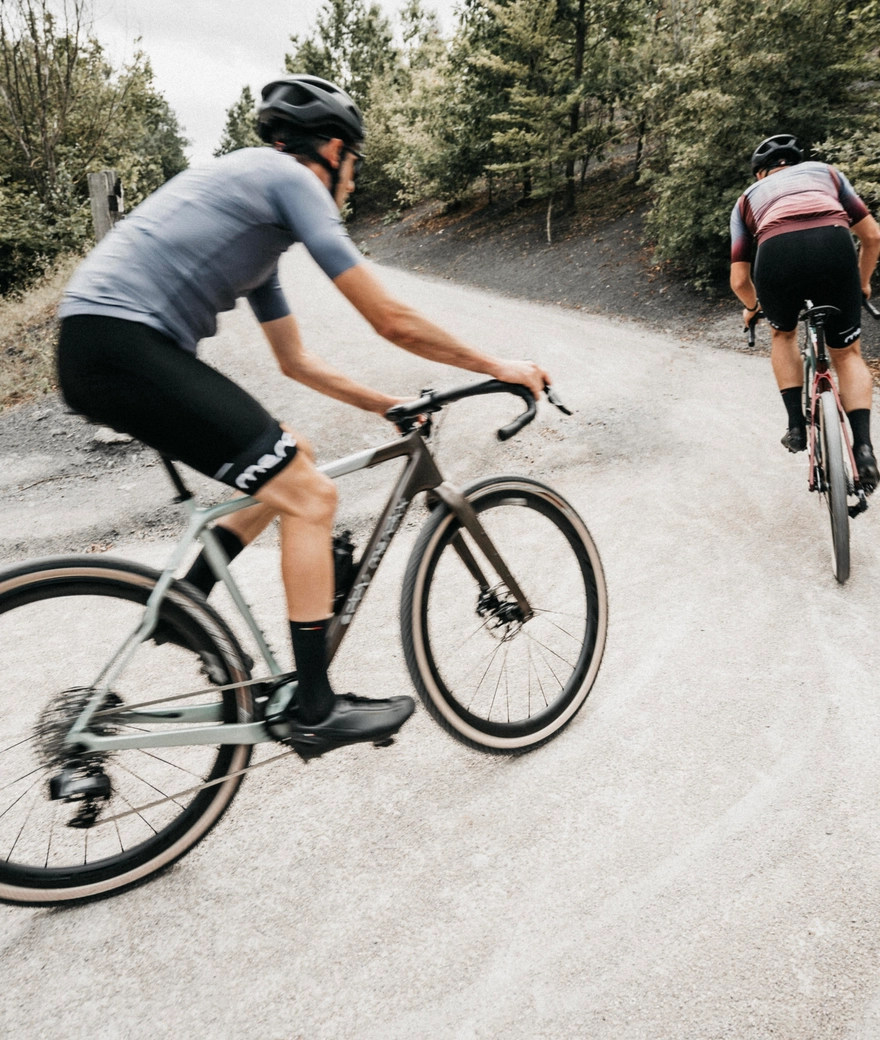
{"x": 696, "y": 856}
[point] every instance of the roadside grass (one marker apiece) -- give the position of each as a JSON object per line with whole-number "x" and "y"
{"x": 28, "y": 330}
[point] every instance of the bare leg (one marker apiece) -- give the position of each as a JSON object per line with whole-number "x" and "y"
{"x": 853, "y": 376}
{"x": 786, "y": 359}
{"x": 249, "y": 524}
{"x": 306, "y": 500}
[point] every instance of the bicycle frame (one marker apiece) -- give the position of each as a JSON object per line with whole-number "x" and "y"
{"x": 818, "y": 377}
{"x": 420, "y": 474}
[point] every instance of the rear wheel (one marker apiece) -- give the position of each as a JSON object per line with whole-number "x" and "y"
{"x": 61, "y": 620}
{"x": 495, "y": 680}
{"x": 834, "y": 472}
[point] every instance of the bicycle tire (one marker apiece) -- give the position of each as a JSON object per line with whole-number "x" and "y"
{"x": 835, "y": 484}
{"x": 554, "y": 560}
{"x": 60, "y": 620}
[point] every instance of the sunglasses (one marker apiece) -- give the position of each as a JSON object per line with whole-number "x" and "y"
{"x": 358, "y": 161}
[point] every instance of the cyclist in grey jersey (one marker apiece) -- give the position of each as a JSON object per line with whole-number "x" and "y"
{"x": 207, "y": 237}
{"x": 138, "y": 305}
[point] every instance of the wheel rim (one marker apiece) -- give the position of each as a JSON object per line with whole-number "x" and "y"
{"x": 48, "y": 647}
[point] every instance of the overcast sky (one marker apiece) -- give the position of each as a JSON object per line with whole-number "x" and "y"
{"x": 204, "y": 51}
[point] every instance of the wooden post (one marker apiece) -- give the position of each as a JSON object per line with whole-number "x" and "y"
{"x": 105, "y": 195}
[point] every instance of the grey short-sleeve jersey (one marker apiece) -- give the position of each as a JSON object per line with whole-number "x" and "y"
{"x": 208, "y": 236}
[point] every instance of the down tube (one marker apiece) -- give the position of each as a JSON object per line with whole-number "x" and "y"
{"x": 419, "y": 474}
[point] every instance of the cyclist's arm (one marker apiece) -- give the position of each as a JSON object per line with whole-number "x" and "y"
{"x": 742, "y": 284}
{"x": 310, "y": 370}
{"x": 406, "y": 328}
{"x": 868, "y": 233}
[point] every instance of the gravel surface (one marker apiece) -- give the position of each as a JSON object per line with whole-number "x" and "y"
{"x": 598, "y": 262}
{"x": 696, "y": 856}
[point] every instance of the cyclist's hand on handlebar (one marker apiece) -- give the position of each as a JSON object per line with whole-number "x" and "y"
{"x": 525, "y": 372}
{"x": 751, "y": 318}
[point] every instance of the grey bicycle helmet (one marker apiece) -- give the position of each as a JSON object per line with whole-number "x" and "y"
{"x": 311, "y": 106}
{"x": 779, "y": 150}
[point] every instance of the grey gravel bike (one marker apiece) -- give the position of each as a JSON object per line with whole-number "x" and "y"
{"x": 120, "y": 750}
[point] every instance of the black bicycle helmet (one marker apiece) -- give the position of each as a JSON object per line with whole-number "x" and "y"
{"x": 779, "y": 150}
{"x": 310, "y": 105}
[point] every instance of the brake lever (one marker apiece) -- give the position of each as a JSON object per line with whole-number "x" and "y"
{"x": 555, "y": 399}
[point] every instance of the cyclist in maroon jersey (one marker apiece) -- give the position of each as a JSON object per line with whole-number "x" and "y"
{"x": 800, "y": 215}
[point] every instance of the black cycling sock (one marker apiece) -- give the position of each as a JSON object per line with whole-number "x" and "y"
{"x": 314, "y": 695}
{"x": 860, "y": 424}
{"x": 200, "y": 574}
{"x": 791, "y": 398}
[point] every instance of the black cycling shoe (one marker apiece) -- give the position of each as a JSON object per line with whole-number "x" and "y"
{"x": 353, "y": 720}
{"x": 866, "y": 464}
{"x": 795, "y": 438}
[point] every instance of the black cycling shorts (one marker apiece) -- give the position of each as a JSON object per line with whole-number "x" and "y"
{"x": 131, "y": 377}
{"x": 817, "y": 264}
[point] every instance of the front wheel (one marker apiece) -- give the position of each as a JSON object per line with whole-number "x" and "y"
{"x": 61, "y": 621}
{"x": 495, "y": 680}
{"x": 835, "y": 483}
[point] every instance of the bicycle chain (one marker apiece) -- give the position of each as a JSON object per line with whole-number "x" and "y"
{"x": 191, "y": 790}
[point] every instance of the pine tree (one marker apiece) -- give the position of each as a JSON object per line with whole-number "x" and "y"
{"x": 240, "y": 130}
{"x": 350, "y": 45}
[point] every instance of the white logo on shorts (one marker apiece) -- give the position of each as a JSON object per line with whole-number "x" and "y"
{"x": 266, "y": 462}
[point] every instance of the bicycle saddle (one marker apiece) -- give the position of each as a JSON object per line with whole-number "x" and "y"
{"x": 818, "y": 314}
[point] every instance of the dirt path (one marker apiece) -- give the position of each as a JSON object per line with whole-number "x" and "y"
{"x": 696, "y": 856}
{"x": 598, "y": 263}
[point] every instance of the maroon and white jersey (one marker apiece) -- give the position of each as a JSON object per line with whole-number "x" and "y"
{"x": 809, "y": 195}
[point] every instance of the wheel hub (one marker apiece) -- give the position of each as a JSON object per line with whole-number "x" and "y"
{"x": 503, "y": 616}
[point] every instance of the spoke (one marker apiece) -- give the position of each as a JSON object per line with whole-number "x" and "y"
{"x": 17, "y": 800}
{"x": 471, "y": 636}
{"x": 24, "y": 776}
{"x": 166, "y": 762}
{"x": 497, "y": 683}
{"x": 191, "y": 790}
{"x": 559, "y": 613}
{"x": 575, "y": 639}
{"x": 475, "y": 667}
{"x": 550, "y": 650}
{"x": 165, "y": 796}
{"x": 541, "y": 687}
{"x": 506, "y": 682}
{"x": 550, "y": 667}
{"x": 51, "y": 835}
{"x": 488, "y": 666}
{"x": 18, "y": 743}
{"x": 25, "y": 791}
{"x": 133, "y": 811}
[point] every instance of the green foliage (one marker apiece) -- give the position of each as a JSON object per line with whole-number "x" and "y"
{"x": 65, "y": 111}
{"x": 755, "y": 68}
{"x": 451, "y": 112}
{"x": 240, "y": 130}
{"x": 351, "y": 45}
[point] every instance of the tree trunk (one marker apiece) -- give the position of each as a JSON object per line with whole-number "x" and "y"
{"x": 639, "y": 147}
{"x": 574, "y": 116}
